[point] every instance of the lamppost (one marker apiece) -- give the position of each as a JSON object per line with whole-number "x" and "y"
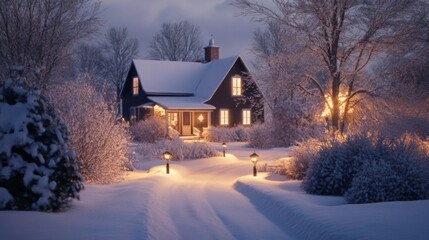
{"x": 167, "y": 156}
{"x": 254, "y": 157}
{"x": 224, "y": 146}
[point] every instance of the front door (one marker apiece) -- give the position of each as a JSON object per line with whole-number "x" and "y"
{"x": 187, "y": 125}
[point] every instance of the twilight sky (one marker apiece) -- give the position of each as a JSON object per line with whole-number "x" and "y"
{"x": 143, "y": 18}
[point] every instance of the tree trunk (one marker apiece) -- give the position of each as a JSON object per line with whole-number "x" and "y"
{"x": 335, "y": 103}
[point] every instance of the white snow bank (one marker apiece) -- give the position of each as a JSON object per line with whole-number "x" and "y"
{"x": 324, "y": 217}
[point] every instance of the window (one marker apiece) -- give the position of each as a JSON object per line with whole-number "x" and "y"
{"x": 173, "y": 119}
{"x": 224, "y": 117}
{"x": 246, "y": 117}
{"x": 236, "y": 86}
{"x": 135, "y": 86}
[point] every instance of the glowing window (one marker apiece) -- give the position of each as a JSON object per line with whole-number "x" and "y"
{"x": 224, "y": 117}
{"x": 135, "y": 86}
{"x": 236, "y": 86}
{"x": 246, "y": 117}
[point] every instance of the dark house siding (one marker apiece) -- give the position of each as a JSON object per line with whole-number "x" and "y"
{"x": 128, "y": 99}
{"x": 223, "y": 99}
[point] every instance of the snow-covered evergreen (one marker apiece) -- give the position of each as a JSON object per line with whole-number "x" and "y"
{"x": 38, "y": 172}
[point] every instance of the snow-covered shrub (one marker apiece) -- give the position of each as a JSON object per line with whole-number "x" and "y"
{"x": 304, "y": 155}
{"x": 224, "y": 134}
{"x": 260, "y": 136}
{"x": 37, "y": 171}
{"x": 179, "y": 149}
{"x": 369, "y": 168}
{"x": 395, "y": 178}
{"x": 149, "y": 130}
{"x": 100, "y": 142}
{"x": 338, "y": 162}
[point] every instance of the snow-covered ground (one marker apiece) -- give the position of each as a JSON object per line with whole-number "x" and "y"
{"x": 216, "y": 198}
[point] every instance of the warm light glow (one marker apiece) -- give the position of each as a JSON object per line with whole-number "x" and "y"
{"x": 342, "y": 100}
{"x": 224, "y": 117}
{"x": 246, "y": 117}
{"x": 167, "y": 155}
{"x": 254, "y": 157}
{"x": 159, "y": 111}
{"x": 200, "y": 118}
{"x": 135, "y": 85}
{"x": 224, "y": 145}
{"x": 236, "y": 86}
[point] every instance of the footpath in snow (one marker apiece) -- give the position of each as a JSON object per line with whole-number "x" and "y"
{"x": 216, "y": 198}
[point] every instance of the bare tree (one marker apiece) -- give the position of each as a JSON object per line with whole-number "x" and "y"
{"x": 272, "y": 41}
{"x": 177, "y": 42}
{"x": 38, "y": 35}
{"x": 345, "y": 35}
{"x": 119, "y": 51}
{"x": 89, "y": 60}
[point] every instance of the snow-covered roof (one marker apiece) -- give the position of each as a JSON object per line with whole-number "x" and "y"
{"x": 198, "y": 79}
{"x": 176, "y": 103}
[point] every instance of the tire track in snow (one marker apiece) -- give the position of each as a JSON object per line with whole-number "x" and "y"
{"x": 202, "y": 204}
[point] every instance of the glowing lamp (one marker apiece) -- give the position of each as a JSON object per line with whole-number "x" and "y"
{"x": 167, "y": 156}
{"x": 224, "y": 147}
{"x": 254, "y": 157}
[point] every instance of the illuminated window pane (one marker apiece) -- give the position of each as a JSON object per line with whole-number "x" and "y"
{"x": 246, "y": 117}
{"x": 236, "y": 86}
{"x": 224, "y": 117}
{"x": 135, "y": 85}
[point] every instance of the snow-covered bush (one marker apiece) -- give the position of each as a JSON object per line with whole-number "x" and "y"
{"x": 369, "y": 168}
{"x": 100, "y": 142}
{"x": 303, "y": 156}
{"x": 397, "y": 178}
{"x": 223, "y": 134}
{"x": 260, "y": 136}
{"x": 179, "y": 149}
{"x": 338, "y": 162}
{"x": 37, "y": 171}
{"x": 149, "y": 130}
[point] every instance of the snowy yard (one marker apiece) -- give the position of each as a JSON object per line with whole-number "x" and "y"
{"x": 216, "y": 198}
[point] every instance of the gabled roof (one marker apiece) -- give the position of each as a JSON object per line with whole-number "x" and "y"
{"x": 200, "y": 80}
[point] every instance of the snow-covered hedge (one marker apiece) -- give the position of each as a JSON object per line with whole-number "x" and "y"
{"x": 37, "y": 170}
{"x": 224, "y": 134}
{"x": 368, "y": 168}
{"x": 101, "y": 142}
{"x": 303, "y": 156}
{"x": 179, "y": 149}
{"x": 149, "y": 130}
{"x": 260, "y": 136}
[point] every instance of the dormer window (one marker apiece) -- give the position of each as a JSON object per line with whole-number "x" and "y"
{"x": 135, "y": 86}
{"x": 236, "y": 86}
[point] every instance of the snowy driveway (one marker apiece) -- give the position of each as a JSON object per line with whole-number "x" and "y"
{"x": 198, "y": 201}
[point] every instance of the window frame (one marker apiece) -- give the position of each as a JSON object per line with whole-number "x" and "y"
{"x": 224, "y": 120}
{"x": 135, "y": 86}
{"x": 237, "y": 87}
{"x": 244, "y": 117}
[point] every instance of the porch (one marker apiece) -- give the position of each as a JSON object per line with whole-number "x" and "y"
{"x": 189, "y": 116}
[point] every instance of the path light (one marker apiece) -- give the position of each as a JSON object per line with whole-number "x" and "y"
{"x": 167, "y": 156}
{"x": 254, "y": 157}
{"x": 224, "y": 147}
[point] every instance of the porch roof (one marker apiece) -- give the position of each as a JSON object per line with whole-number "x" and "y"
{"x": 176, "y": 103}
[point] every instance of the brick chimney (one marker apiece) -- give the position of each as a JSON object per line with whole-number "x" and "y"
{"x": 211, "y": 51}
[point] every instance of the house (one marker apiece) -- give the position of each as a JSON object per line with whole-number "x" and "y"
{"x": 192, "y": 96}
